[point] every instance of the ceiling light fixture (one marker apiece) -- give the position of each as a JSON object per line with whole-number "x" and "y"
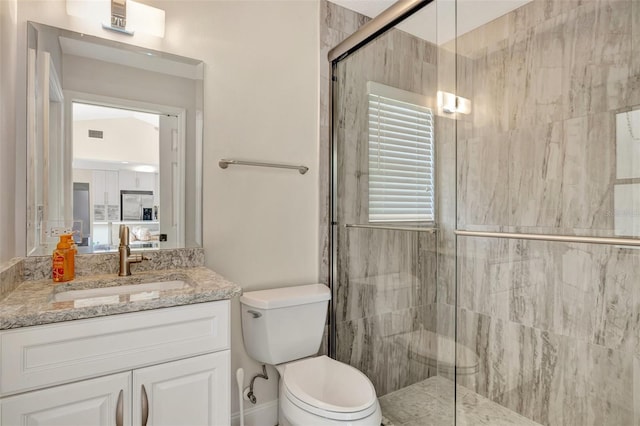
{"x": 123, "y": 16}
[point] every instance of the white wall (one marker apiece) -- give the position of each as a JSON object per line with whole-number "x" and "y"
{"x": 8, "y": 35}
{"x": 260, "y": 225}
{"x": 261, "y": 103}
{"x": 124, "y": 139}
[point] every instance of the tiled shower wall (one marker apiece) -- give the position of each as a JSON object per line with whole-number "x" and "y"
{"x": 386, "y": 285}
{"x": 336, "y": 24}
{"x": 538, "y": 151}
{"x": 554, "y": 328}
{"x": 551, "y": 329}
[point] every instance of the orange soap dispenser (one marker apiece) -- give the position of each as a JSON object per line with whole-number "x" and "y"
{"x": 62, "y": 262}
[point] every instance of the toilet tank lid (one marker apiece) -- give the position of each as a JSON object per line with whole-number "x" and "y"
{"x": 286, "y": 296}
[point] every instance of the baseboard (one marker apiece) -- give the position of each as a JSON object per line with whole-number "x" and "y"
{"x": 259, "y": 415}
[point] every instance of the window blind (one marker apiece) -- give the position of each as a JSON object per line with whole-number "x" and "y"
{"x": 401, "y": 157}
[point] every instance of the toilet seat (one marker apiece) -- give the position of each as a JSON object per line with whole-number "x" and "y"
{"x": 329, "y": 389}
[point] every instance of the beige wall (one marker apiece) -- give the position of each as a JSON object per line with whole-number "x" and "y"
{"x": 261, "y": 103}
{"x": 8, "y": 34}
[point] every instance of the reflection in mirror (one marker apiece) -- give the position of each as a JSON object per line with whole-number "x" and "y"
{"x": 627, "y": 183}
{"x": 117, "y": 150}
{"x": 114, "y": 136}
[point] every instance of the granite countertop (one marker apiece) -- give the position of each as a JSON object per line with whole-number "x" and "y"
{"x": 43, "y": 302}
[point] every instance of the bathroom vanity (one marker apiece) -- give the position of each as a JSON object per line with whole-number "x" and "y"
{"x": 150, "y": 349}
{"x": 68, "y": 359}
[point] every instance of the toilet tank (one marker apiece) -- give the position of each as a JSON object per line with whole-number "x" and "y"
{"x": 284, "y": 324}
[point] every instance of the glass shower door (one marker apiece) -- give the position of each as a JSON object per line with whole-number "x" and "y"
{"x": 549, "y": 155}
{"x": 393, "y": 247}
{"x": 509, "y": 292}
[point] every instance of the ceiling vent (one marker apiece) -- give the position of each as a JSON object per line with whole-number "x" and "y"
{"x": 97, "y": 134}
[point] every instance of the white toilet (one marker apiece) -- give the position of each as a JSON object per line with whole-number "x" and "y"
{"x": 284, "y": 326}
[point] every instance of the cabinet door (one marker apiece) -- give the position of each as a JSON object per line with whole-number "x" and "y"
{"x": 112, "y": 188}
{"x": 193, "y": 391}
{"x": 146, "y": 181}
{"x": 99, "y": 187}
{"x": 104, "y": 401}
{"x": 127, "y": 180}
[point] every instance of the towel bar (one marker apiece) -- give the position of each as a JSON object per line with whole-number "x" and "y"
{"x": 224, "y": 163}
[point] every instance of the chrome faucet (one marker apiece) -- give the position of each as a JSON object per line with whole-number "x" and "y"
{"x": 126, "y": 258}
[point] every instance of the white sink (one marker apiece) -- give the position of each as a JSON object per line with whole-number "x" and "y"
{"x": 90, "y": 293}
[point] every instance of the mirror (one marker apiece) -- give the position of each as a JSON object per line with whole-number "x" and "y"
{"x": 114, "y": 136}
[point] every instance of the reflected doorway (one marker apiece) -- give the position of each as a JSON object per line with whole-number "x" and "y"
{"x": 117, "y": 152}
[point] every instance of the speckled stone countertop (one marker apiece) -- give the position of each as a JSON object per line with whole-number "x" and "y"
{"x": 42, "y": 302}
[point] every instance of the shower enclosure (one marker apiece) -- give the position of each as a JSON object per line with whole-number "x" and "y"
{"x": 485, "y": 209}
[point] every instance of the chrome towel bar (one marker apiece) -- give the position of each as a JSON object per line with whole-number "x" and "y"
{"x": 224, "y": 163}
{"x": 553, "y": 238}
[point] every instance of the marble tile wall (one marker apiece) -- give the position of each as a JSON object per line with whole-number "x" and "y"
{"x": 385, "y": 291}
{"x": 548, "y": 378}
{"x": 549, "y": 330}
{"x": 336, "y": 24}
{"x": 385, "y": 304}
{"x": 383, "y": 347}
{"x": 382, "y": 271}
{"x": 545, "y": 83}
{"x": 552, "y": 327}
{"x": 574, "y": 290}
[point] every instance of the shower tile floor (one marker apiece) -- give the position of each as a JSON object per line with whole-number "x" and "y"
{"x": 430, "y": 403}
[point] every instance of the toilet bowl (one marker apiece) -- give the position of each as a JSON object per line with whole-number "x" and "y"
{"x": 322, "y": 391}
{"x": 284, "y": 327}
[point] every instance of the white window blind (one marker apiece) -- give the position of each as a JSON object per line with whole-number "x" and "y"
{"x": 401, "y": 176}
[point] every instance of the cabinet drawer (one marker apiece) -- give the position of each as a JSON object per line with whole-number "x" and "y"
{"x": 40, "y": 356}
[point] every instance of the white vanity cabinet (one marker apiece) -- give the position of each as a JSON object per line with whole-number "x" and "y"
{"x": 193, "y": 391}
{"x": 98, "y": 401}
{"x": 167, "y": 366}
